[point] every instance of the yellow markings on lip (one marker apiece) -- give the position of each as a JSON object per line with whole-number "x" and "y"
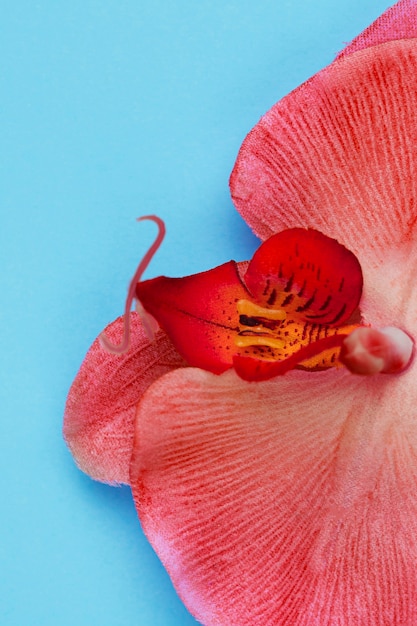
{"x": 256, "y": 318}
{"x": 245, "y": 341}
{"x": 245, "y": 307}
{"x": 259, "y": 329}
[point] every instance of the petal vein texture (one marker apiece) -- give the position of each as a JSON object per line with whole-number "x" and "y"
{"x": 276, "y": 504}
{"x": 101, "y": 404}
{"x": 339, "y": 154}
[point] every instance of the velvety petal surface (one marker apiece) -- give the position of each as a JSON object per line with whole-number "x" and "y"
{"x": 290, "y": 502}
{"x": 101, "y": 404}
{"x": 398, "y": 22}
{"x": 339, "y": 154}
{"x": 199, "y": 313}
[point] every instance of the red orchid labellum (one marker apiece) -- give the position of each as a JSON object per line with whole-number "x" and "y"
{"x": 290, "y": 307}
{"x": 286, "y": 500}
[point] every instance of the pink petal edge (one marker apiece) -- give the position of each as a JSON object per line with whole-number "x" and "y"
{"x": 397, "y": 22}
{"x": 101, "y": 404}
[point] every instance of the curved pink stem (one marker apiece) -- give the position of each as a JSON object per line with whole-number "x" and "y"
{"x": 124, "y": 345}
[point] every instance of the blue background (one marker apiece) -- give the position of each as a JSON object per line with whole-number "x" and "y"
{"x": 110, "y": 110}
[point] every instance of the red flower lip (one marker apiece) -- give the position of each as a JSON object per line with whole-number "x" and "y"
{"x": 294, "y": 304}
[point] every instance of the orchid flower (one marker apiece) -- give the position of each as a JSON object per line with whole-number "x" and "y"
{"x": 270, "y": 499}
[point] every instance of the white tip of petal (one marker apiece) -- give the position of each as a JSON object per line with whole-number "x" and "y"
{"x": 370, "y": 351}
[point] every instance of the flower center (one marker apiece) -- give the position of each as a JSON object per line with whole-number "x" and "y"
{"x": 258, "y": 327}
{"x": 270, "y": 334}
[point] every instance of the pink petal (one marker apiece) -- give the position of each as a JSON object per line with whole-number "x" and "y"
{"x": 339, "y": 154}
{"x": 101, "y": 404}
{"x": 398, "y": 22}
{"x": 283, "y": 503}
